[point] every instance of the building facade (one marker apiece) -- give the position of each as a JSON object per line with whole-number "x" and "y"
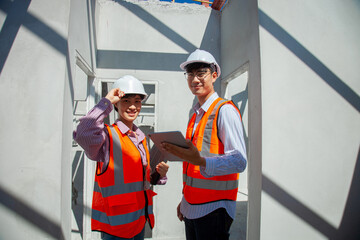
{"x": 290, "y": 66}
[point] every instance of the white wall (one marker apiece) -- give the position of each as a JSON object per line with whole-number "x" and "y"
{"x": 35, "y": 88}
{"x": 82, "y": 61}
{"x": 240, "y": 52}
{"x": 308, "y": 115}
{"x": 149, "y": 39}
{"x": 82, "y": 44}
{"x": 310, "y": 96}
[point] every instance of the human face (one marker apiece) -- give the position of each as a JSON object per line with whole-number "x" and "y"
{"x": 200, "y": 82}
{"x": 128, "y": 109}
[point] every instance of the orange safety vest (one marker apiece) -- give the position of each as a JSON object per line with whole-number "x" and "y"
{"x": 197, "y": 188}
{"x": 121, "y": 206}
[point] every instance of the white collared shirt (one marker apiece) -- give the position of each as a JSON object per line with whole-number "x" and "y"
{"x": 231, "y": 134}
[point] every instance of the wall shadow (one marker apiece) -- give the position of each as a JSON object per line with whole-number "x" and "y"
{"x": 296, "y": 207}
{"x": 37, "y": 219}
{"x": 239, "y": 227}
{"x": 17, "y": 16}
{"x": 310, "y": 60}
{"x": 16, "y": 13}
{"x": 349, "y": 226}
{"x": 350, "y": 222}
{"x": 158, "y": 25}
{"x": 77, "y": 189}
{"x": 112, "y": 59}
{"x": 212, "y": 30}
{"x": 208, "y": 43}
{"x": 242, "y": 97}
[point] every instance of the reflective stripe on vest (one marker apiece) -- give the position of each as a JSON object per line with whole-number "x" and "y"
{"x": 118, "y": 219}
{"x": 197, "y": 188}
{"x": 211, "y": 184}
{"x": 121, "y": 205}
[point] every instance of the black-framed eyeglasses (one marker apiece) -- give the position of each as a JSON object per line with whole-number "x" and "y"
{"x": 201, "y": 75}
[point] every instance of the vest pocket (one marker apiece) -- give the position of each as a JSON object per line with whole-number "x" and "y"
{"x": 122, "y": 199}
{"x": 125, "y": 203}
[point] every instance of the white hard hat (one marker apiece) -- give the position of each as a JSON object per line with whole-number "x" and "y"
{"x": 201, "y": 56}
{"x": 130, "y": 85}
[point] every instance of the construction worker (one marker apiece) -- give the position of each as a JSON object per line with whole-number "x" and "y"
{"x": 215, "y": 156}
{"x": 122, "y": 198}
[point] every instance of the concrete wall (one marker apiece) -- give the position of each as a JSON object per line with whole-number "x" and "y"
{"x": 310, "y": 96}
{"x": 239, "y": 54}
{"x": 149, "y": 39}
{"x": 35, "y": 135}
{"x": 82, "y": 47}
{"x": 305, "y": 129}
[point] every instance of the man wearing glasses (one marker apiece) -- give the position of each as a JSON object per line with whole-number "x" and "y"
{"x": 215, "y": 157}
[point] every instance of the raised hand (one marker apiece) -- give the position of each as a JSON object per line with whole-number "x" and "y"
{"x": 114, "y": 95}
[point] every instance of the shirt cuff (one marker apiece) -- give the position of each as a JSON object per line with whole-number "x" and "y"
{"x": 105, "y": 105}
{"x": 162, "y": 181}
{"x": 208, "y": 171}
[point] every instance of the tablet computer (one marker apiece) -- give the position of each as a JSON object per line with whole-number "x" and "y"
{"x": 173, "y": 137}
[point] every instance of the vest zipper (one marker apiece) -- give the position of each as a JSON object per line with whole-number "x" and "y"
{"x": 146, "y": 202}
{"x": 146, "y": 210}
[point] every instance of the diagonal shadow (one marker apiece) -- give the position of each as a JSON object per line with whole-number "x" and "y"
{"x": 139, "y": 60}
{"x": 309, "y": 59}
{"x": 149, "y": 60}
{"x": 299, "y": 209}
{"x": 349, "y": 226}
{"x": 243, "y": 98}
{"x": 46, "y": 33}
{"x": 158, "y": 25}
{"x": 17, "y": 16}
{"x": 35, "y": 218}
{"x": 16, "y": 13}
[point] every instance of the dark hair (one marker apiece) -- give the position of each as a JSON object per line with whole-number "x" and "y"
{"x": 197, "y": 65}
{"x": 133, "y": 95}
{"x": 130, "y": 95}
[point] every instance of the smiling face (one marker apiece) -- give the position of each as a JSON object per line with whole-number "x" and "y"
{"x": 129, "y": 108}
{"x": 200, "y": 82}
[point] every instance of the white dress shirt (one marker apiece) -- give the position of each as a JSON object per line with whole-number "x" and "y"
{"x": 231, "y": 134}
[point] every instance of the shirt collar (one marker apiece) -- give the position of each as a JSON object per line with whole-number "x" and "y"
{"x": 207, "y": 104}
{"x": 126, "y": 130}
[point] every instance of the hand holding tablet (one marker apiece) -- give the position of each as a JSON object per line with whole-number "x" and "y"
{"x": 173, "y": 137}
{"x": 175, "y": 148}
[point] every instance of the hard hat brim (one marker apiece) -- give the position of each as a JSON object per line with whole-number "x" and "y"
{"x": 184, "y": 64}
{"x": 137, "y": 93}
